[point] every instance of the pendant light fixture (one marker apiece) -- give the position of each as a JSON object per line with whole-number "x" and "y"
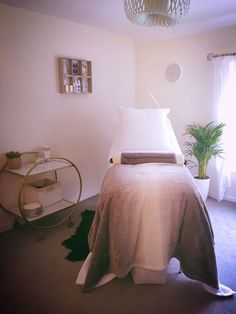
{"x": 156, "y": 12}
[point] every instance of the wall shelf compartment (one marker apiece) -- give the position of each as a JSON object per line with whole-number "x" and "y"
{"x": 75, "y": 76}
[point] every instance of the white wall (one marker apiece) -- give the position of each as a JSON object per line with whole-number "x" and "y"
{"x": 80, "y": 127}
{"x": 33, "y": 112}
{"x": 191, "y": 97}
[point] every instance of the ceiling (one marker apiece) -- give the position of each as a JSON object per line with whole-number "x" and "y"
{"x": 204, "y": 15}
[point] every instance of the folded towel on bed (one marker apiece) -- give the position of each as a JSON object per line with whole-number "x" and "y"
{"x": 140, "y": 158}
{"x": 134, "y": 158}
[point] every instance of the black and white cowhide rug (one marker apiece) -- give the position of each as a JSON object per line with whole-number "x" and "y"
{"x": 78, "y": 243}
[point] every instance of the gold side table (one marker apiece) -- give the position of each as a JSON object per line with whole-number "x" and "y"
{"x": 50, "y": 165}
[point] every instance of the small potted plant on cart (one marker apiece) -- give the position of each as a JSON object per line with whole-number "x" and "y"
{"x": 13, "y": 159}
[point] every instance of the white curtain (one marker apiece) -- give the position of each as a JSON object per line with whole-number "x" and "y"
{"x": 220, "y": 169}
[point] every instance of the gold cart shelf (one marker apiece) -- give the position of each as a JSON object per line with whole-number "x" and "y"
{"x": 51, "y": 165}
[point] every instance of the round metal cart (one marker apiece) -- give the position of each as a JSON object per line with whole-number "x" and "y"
{"x": 44, "y": 167}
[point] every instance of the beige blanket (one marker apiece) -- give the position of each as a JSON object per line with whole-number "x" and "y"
{"x": 147, "y": 214}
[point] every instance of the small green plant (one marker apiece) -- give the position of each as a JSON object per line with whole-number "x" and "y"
{"x": 13, "y": 154}
{"x": 204, "y": 143}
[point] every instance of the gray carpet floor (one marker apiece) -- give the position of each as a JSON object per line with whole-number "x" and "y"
{"x": 36, "y": 278}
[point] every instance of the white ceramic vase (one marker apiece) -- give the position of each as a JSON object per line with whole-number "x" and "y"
{"x": 203, "y": 186}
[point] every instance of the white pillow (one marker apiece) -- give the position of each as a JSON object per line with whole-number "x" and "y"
{"x": 175, "y": 148}
{"x": 143, "y": 130}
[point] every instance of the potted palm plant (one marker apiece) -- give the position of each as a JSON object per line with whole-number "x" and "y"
{"x": 204, "y": 143}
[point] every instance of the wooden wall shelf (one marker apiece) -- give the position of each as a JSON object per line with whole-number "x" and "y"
{"x": 75, "y": 76}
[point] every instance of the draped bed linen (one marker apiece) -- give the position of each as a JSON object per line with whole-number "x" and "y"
{"x": 147, "y": 214}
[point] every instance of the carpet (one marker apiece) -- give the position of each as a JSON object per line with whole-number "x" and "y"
{"x": 78, "y": 243}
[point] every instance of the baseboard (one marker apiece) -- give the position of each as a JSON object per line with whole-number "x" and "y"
{"x": 6, "y": 221}
{"x": 230, "y": 198}
{"x": 5, "y": 226}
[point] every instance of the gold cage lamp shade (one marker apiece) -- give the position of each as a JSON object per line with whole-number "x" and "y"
{"x": 156, "y": 12}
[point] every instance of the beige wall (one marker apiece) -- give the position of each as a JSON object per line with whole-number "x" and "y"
{"x": 79, "y": 127}
{"x": 32, "y": 111}
{"x": 191, "y": 97}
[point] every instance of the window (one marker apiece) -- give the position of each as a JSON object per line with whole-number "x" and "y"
{"x": 226, "y": 75}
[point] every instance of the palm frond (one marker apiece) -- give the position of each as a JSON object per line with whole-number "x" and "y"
{"x": 204, "y": 143}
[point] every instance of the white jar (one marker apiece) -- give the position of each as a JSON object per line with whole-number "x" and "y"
{"x": 39, "y": 157}
{"x": 46, "y": 151}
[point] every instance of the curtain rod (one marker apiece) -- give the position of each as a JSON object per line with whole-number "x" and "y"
{"x": 211, "y": 55}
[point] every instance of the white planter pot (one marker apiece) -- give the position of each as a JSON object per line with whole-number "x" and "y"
{"x": 203, "y": 187}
